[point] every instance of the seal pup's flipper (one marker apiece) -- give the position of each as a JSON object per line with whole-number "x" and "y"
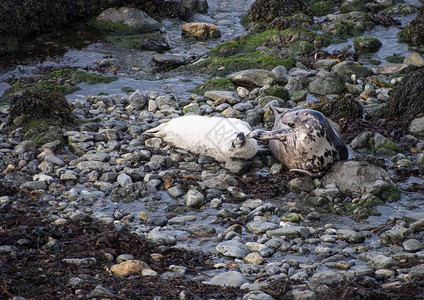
{"x": 156, "y": 130}
{"x": 265, "y": 135}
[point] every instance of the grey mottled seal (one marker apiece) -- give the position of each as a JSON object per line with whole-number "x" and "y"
{"x": 303, "y": 140}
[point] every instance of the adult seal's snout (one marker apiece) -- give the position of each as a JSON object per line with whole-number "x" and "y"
{"x": 303, "y": 140}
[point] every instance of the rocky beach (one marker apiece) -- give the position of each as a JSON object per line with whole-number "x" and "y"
{"x": 93, "y": 208}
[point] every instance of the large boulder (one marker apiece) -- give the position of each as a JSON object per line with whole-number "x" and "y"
{"x": 126, "y": 20}
{"x": 406, "y": 99}
{"x": 252, "y": 78}
{"x": 361, "y": 177}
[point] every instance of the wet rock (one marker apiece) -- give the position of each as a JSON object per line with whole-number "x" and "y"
{"x": 34, "y": 185}
{"x": 194, "y": 198}
{"x": 169, "y": 61}
{"x": 252, "y": 78}
{"x": 101, "y": 292}
{"x": 328, "y": 277}
{"x": 393, "y": 69}
{"x": 126, "y": 20}
{"x": 280, "y": 75}
{"x": 221, "y": 97}
{"x": 230, "y": 279}
{"x": 412, "y": 245}
{"x": 327, "y": 85}
{"x": 394, "y": 236}
{"x": 129, "y": 267}
{"x": 137, "y": 100}
{"x": 192, "y": 108}
{"x": 257, "y": 295}
{"x": 232, "y": 249}
{"x": 355, "y": 176}
{"x": 382, "y": 262}
{"x": 417, "y": 226}
{"x": 237, "y": 165}
{"x": 260, "y": 226}
{"x": 201, "y": 30}
{"x": 414, "y": 60}
{"x": 175, "y": 192}
{"x": 291, "y": 231}
{"x": 347, "y": 25}
{"x": 161, "y": 237}
{"x": 348, "y": 68}
{"x": 417, "y": 127}
{"x": 366, "y": 44}
{"x": 124, "y": 180}
{"x": 350, "y": 236}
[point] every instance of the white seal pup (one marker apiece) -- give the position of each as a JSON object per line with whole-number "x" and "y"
{"x": 220, "y": 138}
{"x": 303, "y": 141}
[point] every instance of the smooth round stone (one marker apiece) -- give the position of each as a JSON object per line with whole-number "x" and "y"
{"x": 382, "y": 262}
{"x": 228, "y": 279}
{"x": 254, "y": 258}
{"x": 194, "y": 198}
{"x": 232, "y": 249}
{"x": 412, "y": 245}
{"x": 260, "y": 227}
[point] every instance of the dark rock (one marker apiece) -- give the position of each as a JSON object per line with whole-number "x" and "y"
{"x": 267, "y": 10}
{"x": 413, "y": 33}
{"x": 406, "y": 99}
{"x": 154, "y": 45}
{"x": 344, "y": 107}
{"x": 169, "y": 61}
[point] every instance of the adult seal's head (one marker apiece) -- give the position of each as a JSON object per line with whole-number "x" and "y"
{"x": 303, "y": 140}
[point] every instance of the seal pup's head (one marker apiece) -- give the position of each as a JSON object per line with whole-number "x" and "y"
{"x": 242, "y": 146}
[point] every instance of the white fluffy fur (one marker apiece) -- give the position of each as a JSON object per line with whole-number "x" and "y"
{"x": 210, "y": 136}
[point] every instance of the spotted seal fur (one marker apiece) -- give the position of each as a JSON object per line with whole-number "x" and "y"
{"x": 220, "y": 138}
{"x": 303, "y": 140}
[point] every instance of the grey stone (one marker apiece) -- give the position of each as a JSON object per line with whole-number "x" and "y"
{"x": 412, "y": 245}
{"x": 162, "y": 237}
{"x": 34, "y": 185}
{"x": 232, "y": 248}
{"x": 228, "y": 279}
{"x": 260, "y": 226}
{"x": 417, "y": 127}
{"x": 252, "y": 78}
{"x": 382, "y": 262}
{"x": 328, "y": 277}
{"x": 124, "y": 180}
{"x": 134, "y": 18}
{"x": 194, "y": 198}
{"x": 291, "y": 231}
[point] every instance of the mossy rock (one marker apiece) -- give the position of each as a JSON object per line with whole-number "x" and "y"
{"x": 346, "y": 107}
{"x": 290, "y": 36}
{"x": 226, "y": 49}
{"x": 413, "y": 33}
{"x": 62, "y": 81}
{"x": 395, "y": 59}
{"x": 276, "y": 91}
{"x": 267, "y": 10}
{"x": 322, "y": 8}
{"x": 400, "y": 10}
{"x": 366, "y": 44}
{"x": 243, "y": 44}
{"x": 301, "y": 48}
{"x": 221, "y": 66}
{"x": 299, "y": 20}
{"x": 348, "y": 25}
{"x": 214, "y": 84}
{"x": 356, "y": 5}
{"x": 42, "y": 114}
